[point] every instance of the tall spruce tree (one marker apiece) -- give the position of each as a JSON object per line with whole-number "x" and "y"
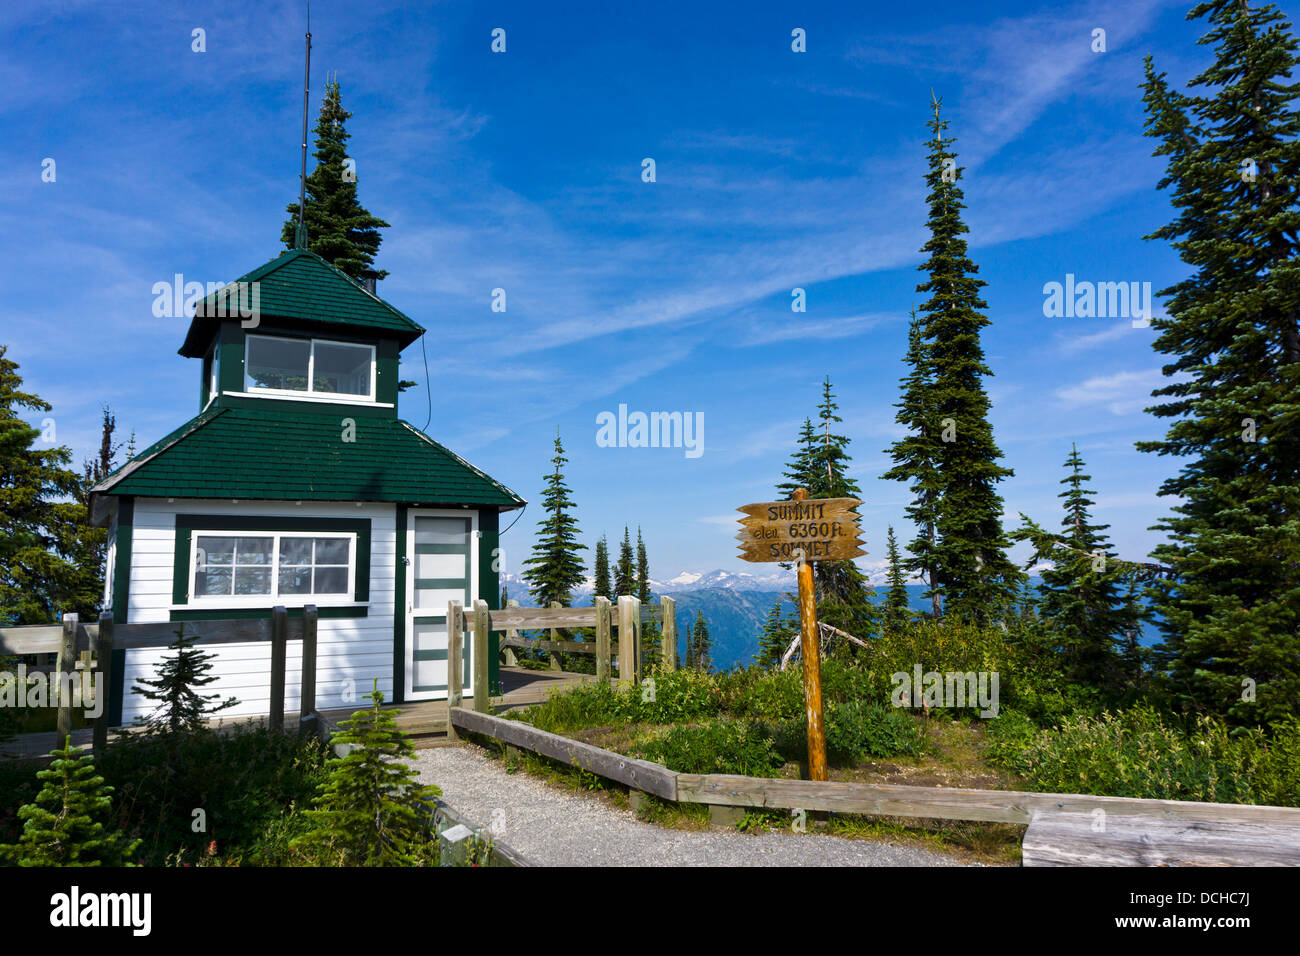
{"x": 1230, "y": 611}
{"x": 625, "y": 568}
{"x": 651, "y": 642}
{"x": 47, "y": 555}
{"x": 604, "y": 586}
{"x": 970, "y": 554}
{"x": 820, "y": 464}
{"x": 555, "y": 569}
{"x": 339, "y": 229}
{"x": 799, "y": 470}
{"x": 916, "y": 457}
{"x": 774, "y": 638}
{"x": 897, "y": 613}
{"x": 701, "y": 644}
{"x": 1080, "y": 595}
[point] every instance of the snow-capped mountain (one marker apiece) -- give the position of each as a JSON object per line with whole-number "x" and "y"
{"x": 777, "y": 579}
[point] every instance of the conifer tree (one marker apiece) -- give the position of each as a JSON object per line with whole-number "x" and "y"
{"x": 1230, "y": 610}
{"x": 555, "y": 570}
{"x": 370, "y": 811}
{"x": 1080, "y": 594}
{"x": 799, "y": 471}
{"x": 70, "y": 823}
{"x": 46, "y": 568}
{"x": 181, "y": 708}
{"x": 1028, "y": 602}
{"x": 916, "y": 457}
{"x": 701, "y": 644}
{"x": 625, "y": 569}
{"x": 604, "y": 586}
{"x": 339, "y": 229}
{"x": 820, "y": 464}
{"x": 897, "y": 612}
{"x": 651, "y": 642}
{"x": 979, "y": 581}
{"x": 775, "y": 637}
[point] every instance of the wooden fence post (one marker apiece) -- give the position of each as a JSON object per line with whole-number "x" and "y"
{"x": 669, "y": 606}
{"x": 103, "y": 680}
{"x": 511, "y": 659}
{"x": 602, "y": 639}
{"x": 279, "y": 649}
{"x": 626, "y": 642}
{"x": 455, "y": 662}
{"x": 555, "y": 636}
{"x": 63, "y": 668}
{"x": 482, "y": 698}
{"x": 638, "y": 648}
{"x": 307, "y": 716}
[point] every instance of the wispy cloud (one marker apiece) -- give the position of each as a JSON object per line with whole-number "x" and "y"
{"x": 1121, "y": 393}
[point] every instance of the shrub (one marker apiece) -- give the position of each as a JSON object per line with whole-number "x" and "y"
{"x": 1137, "y": 753}
{"x": 764, "y": 695}
{"x": 719, "y": 746}
{"x": 586, "y": 705}
{"x": 1008, "y": 733}
{"x": 860, "y": 729}
{"x": 247, "y": 781}
{"x": 680, "y": 695}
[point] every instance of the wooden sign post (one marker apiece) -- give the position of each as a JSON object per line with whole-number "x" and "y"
{"x": 804, "y": 531}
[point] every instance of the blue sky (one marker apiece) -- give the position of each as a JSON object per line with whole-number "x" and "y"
{"x": 522, "y": 171}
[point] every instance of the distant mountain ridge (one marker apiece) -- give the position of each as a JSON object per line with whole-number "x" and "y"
{"x": 736, "y": 604}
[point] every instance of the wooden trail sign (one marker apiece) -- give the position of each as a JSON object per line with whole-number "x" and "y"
{"x": 804, "y": 531}
{"x": 823, "y": 529}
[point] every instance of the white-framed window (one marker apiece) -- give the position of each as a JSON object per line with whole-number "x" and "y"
{"x": 281, "y": 366}
{"x": 255, "y": 568}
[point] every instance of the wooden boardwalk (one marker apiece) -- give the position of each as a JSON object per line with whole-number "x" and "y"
{"x": 521, "y": 687}
{"x": 426, "y": 721}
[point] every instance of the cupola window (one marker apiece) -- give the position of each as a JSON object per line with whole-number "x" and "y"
{"x": 283, "y": 366}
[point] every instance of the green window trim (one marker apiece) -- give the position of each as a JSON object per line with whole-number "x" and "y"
{"x": 252, "y": 614}
{"x": 186, "y": 524}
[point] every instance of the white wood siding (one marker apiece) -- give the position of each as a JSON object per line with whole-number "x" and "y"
{"x": 351, "y": 652}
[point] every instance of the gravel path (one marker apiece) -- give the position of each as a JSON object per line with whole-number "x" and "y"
{"x": 551, "y": 826}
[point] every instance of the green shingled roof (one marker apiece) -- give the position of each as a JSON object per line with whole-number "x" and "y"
{"x": 301, "y": 286}
{"x": 295, "y": 454}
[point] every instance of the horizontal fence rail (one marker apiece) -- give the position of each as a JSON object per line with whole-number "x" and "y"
{"x": 1141, "y": 831}
{"x": 48, "y": 638}
{"x": 74, "y": 639}
{"x": 479, "y": 621}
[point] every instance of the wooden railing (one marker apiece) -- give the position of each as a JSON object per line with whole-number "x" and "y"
{"x": 481, "y": 620}
{"x": 75, "y": 639}
{"x": 1063, "y": 827}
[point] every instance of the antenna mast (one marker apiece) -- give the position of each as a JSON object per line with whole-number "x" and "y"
{"x": 300, "y": 234}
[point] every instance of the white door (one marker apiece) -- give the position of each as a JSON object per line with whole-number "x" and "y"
{"x": 441, "y": 566}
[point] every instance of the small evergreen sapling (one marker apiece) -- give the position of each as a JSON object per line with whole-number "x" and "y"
{"x": 897, "y": 612}
{"x": 69, "y": 822}
{"x": 181, "y": 706}
{"x": 370, "y": 811}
